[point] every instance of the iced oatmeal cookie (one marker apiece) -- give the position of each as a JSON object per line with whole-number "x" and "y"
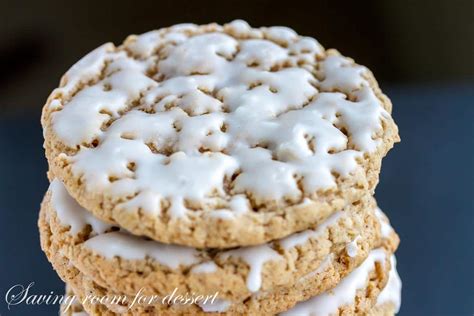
{"x": 217, "y": 136}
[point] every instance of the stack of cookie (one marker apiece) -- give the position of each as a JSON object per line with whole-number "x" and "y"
{"x": 219, "y": 169}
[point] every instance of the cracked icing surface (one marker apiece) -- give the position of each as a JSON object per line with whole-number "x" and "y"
{"x": 180, "y": 122}
{"x": 109, "y": 255}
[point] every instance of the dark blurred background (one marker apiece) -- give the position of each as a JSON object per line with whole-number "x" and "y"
{"x": 420, "y": 51}
{"x": 401, "y": 41}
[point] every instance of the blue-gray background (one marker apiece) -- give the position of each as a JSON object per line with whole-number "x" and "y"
{"x": 421, "y": 53}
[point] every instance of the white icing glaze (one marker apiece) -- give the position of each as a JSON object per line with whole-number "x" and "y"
{"x": 217, "y": 306}
{"x": 205, "y": 267}
{"x": 221, "y": 109}
{"x": 303, "y": 237}
{"x": 384, "y": 224}
{"x": 118, "y": 243}
{"x": 344, "y": 293}
{"x": 341, "y": 74}
{"x": 241, "y": 28}
{"x": 124, "y": 245}
{"x": 70, "y": 213}
{"x": 392, "y": 293}
{"x": 144, "y": 44}
{"x": 280, "y": 34}
{"x": 351, "y": 248}
{"x": 85, "y": 69}
{"x": 255, "y": 257}
{"x": 81, "y": 120}
{"x": 238, "y": 205}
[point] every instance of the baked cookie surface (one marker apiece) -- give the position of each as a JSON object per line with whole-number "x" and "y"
{"x": 217, "y": 136}
{"x": 365, "y": 291}
{"x": 356, "y": 294}
{"x": 106, "y": 254}
{"x": 267, "y": 303}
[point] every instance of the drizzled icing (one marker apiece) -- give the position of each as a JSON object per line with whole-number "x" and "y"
{"x": 205, "y": 267}
{"x": 385, "y": 227}
{"x": 343, "y": 294}
{"x": 351, "y": 248}
{"x": 115, "y": 243}
{"x": 124, "y": 245}
{"x": 217, "y": 306}
{"x": 238, "y": 205}
{"x": 199, "y": 114}
{"x": 393, "y": 290}
{"x": 391, "y": 293}
{"x": 127, "y": 246}
{"x": 71, "y": 213}
{"x": 255, "y": 257}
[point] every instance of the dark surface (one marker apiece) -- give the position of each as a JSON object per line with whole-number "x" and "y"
{"x": 426, "y": 189}
{"x": 403, "y": 41}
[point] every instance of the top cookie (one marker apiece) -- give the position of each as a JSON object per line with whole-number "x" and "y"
{"x": 217, "y": 136}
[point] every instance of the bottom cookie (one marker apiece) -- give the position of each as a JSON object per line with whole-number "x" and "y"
{"x": 375, "y": 270}
{"x": 331, "y": 269}
{"x": 262, "y": 302}
{"x": 357, "y": 294}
